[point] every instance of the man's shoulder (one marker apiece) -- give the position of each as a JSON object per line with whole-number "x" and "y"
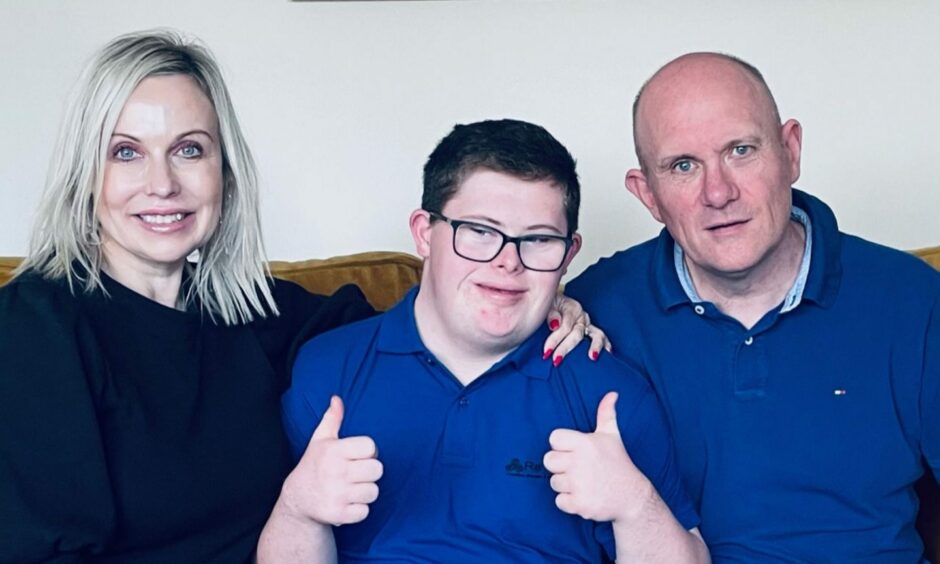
{"x": 878, "y": 256}
{"x": 626, "y": 268}
{"x": 626, "y": 261}
{"x": 869, "y": 263}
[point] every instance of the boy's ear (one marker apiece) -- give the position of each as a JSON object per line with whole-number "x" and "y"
{"x": 420, "y": 225}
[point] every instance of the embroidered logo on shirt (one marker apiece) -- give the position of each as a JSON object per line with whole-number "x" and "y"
{"x": 526, "y": 469}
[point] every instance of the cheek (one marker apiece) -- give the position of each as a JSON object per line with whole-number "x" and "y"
{"x": 117, "y": 187}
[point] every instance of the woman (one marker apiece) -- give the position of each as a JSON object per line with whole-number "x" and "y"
{"x": 139, "y": 407}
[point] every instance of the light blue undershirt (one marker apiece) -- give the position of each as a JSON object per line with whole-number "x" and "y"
{"x": 795, "y": 294}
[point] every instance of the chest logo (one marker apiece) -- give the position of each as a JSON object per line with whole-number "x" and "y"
{"x": 526, "y": 469}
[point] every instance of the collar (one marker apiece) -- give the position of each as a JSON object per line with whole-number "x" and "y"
{"x": 398, "y": 334}
{"x": 818, "y": 280}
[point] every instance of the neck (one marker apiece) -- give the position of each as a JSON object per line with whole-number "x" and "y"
{"x": 466, "y": 360}
{"x": 748, "y": 296}
{"x": 157, "y": 284}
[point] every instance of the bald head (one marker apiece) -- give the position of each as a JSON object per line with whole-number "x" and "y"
{"x": 696, "y": 79}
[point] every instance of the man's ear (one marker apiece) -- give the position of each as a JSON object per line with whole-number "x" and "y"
{"x": 791, "y": 135}
{"x": 420, "y": 225}
{"x": 572, "y": 252}
{"x": 636, "y": 183}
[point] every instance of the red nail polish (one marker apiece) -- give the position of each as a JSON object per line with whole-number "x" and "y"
{"x": 595, "y": 355}
{"x": 553, "y": 324}
{"x": 556, "y": 361}
{"x": 547, "y": 353}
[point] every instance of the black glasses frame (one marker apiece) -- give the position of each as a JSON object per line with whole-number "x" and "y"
{"x": 455, "y": 223}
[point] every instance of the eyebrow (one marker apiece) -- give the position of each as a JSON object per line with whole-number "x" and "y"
{"x": 180, "y": 136}
{"x": 487, "y": 219}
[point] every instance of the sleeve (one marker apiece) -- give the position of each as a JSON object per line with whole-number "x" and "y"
{"x": 303, "y": 405}
{"x": 325, "y": 366}
{"x": 303, "y": 316}
{"x": 646, "y": 438}
{"x": 56, "y": 503}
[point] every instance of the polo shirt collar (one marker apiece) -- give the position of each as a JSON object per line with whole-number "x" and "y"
{"x": 818, "y": 278}
{"x": 398, "y": 334}
{"x": 825, "y": 271}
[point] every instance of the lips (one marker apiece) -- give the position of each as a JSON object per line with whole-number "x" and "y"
{"x": 500, "y": 293}
{"x": 727, "y": 225}
{"x": 164, "y": 221}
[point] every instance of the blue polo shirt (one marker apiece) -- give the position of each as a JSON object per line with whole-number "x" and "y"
{"x": 464, "y": 480}
{"x": 799, "y": 439}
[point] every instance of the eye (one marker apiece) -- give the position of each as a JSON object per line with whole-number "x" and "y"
{"x": 541, "y": 239}
{"x": 742, "y": 150}
{"x": 683, "y": 166}
{"x": 190, "y": 151}
{"x": 480, "y": 231}
{"x": 124, "y": 153}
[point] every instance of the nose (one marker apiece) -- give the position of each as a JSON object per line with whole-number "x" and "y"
{"x": 161, "y": 181}
{"x": 508, "y": 257}
{"x": 720, "y": 188}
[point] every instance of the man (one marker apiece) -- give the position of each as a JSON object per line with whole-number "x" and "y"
{"x": 441, "y": 410}
{"x": 799, "y": 366}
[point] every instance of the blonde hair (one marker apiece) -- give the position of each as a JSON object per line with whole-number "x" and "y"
{"x": 230, "y": 280}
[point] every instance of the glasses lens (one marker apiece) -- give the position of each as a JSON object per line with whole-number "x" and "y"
{"x": 477, "y": 242}
{"x": 542, "y": 253}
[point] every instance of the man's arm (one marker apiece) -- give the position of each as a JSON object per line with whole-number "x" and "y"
{"x": 333, "y": 484}
{"x": 596, "y": 479}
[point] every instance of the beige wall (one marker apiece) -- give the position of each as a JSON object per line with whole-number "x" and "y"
{"x": 342, "y": 101}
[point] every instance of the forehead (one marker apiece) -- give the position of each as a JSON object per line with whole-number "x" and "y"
{"x": 702, "y": 103}
{"x": 508, "y": 199}
{"x": 164, "y": 100}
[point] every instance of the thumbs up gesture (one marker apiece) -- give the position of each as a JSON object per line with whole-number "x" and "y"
{"x": 335, "y": 480}
{"x": 592, "y": 472}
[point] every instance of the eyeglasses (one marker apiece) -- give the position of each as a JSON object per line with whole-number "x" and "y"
{"x": 482, "y": 243}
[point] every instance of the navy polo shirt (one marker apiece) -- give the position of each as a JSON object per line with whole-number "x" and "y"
{"x": 799, "y": 439}
{"x": 464, "y": 480}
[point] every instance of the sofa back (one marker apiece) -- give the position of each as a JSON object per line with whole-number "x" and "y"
{"x": 383, "y": 276}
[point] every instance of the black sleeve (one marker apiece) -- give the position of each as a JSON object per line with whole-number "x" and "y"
{"x": 303, "y": 316}
{"x": 56, "y": 503}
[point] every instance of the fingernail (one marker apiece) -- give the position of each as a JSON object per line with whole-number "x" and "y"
{"x": 595, "y": 355}
{"x": 553, "y": 324}
{"x": 557, "y": 360}
{"x": 547, "y": 353}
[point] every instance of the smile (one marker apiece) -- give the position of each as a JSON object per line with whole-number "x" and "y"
{"x": 168, "y": 219}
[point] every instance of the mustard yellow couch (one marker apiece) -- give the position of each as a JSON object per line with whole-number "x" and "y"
{"x": 385, "y": 276}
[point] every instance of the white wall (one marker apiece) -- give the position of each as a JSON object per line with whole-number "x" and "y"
{"x": 343, "y": 101}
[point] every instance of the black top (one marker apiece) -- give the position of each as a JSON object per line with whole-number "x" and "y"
{"x": 130, "y": 431}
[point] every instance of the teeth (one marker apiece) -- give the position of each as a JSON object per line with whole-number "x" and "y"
{"x": 162, "y": 219}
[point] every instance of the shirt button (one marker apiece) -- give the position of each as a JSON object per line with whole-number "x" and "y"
{"x": 429, "y": 360}
{"x": 463, "y": 402}
{"x": 699, "y": 309}
{"x": 748, "y": 341}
